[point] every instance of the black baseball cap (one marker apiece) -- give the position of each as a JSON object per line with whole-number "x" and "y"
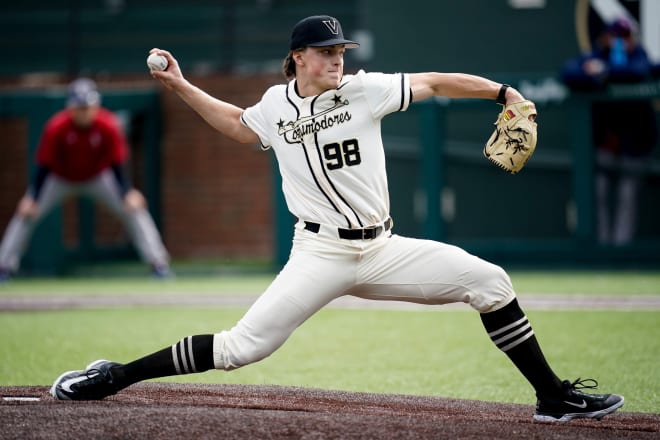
{"x": 319, "y": 31}
{"x": 83, "y": 93}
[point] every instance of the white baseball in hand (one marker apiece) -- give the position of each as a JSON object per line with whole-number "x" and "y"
{"x": 156, "y": 62}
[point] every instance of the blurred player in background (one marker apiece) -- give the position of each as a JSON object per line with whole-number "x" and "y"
{"x": 623, "y": 131}
{"x": 83, "y": 151}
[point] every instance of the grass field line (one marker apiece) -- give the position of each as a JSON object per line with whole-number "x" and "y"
{"x": 184, "y": 299}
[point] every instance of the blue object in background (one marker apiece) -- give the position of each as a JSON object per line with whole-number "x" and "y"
{"x": 618, "y": 55}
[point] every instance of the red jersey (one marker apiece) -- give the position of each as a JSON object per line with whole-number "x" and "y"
{"x": 78, "y": 154}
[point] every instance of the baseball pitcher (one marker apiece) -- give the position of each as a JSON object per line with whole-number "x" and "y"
{"x": 325, "y": 129}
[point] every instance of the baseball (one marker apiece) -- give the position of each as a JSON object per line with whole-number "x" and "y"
{"x": 156, "y": 62}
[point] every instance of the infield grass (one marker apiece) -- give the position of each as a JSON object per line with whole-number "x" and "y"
{"x": 406, "y": 352}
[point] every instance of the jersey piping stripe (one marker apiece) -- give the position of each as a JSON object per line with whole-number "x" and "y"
{"x": 308, "y": 159}
{"x": 318, "y": 185}
{"x": 293, "y": 104}
{"x": 327, "y": 177}
{"x": 325, "y": 173}
{"x": 406, "y": 98}
{"x": 403, "y": 92}
{"x": 261, "y": 144}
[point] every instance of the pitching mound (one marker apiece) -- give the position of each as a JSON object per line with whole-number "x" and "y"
{"x": 196, "y": 411}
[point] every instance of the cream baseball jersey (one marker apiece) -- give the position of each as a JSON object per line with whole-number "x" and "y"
{"x": 329, "y": 147}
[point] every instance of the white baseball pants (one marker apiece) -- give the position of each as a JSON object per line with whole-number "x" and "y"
{"x": 323, "y": 267}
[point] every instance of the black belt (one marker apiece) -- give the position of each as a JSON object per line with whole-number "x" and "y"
{"x": 354, "y": 234}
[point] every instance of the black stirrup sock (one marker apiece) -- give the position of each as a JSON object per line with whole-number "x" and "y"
{"x": 192, "y": 354}
{"x": 511, "y": 332}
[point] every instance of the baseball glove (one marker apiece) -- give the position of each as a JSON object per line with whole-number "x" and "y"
{"x": 514, "y": 139}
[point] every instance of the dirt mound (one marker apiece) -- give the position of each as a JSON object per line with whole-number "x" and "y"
{"x": 166, "y": 411}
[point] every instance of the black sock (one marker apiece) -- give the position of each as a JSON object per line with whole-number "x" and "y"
{"x": 510, "y": 330}
{"x": 192, "y": 354}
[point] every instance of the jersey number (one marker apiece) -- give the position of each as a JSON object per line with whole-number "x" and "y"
{"x": 337, "y": 155}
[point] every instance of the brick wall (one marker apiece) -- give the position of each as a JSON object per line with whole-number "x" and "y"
{"x": 216, "y": 194}
{"x": 13, "y": 168}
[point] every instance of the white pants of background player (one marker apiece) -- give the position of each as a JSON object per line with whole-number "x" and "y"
{"x": 103, "y": 188}
{"x": 323, "y": 267}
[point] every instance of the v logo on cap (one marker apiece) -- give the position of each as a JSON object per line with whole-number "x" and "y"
{"x": 310, "y": 32}
{"x": 332, "y": 25}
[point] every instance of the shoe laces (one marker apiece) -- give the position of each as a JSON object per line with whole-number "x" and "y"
{"x": 582, "y": 384}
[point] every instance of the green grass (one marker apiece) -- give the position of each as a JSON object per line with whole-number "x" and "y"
{"x": 423, "y": 353}
{"x": 588, "y": 282}
{"x": 145, "y": 286}
{"x": 527, "y": 282}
